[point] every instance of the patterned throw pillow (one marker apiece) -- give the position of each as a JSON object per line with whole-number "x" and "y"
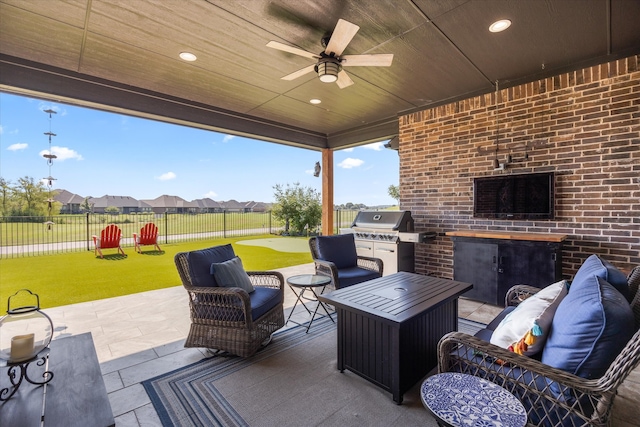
{"x": 231, "y": 274}
{"x": 525, "y": 329}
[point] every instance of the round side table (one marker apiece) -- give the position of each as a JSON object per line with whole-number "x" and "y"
{"x": 464, "y": 400}
{"x": 308, "y": 282}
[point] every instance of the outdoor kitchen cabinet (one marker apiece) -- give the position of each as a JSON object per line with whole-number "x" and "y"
{"x": 495, "y": 261}
{"x": 395, "y": 257}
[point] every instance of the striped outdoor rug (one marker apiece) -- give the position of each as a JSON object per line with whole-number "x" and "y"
{"x": 190, "y": 396}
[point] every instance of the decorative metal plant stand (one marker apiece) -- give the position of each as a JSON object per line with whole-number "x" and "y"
{"x": 18, "y": 372}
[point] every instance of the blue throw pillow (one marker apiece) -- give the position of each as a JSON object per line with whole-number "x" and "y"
{"x": 591, "y": 326}
{"x": 339, "y": 249}
{"x": 231, "y": 274}
{"x": 200, "y": 263}
{"x": 594, "y": 265}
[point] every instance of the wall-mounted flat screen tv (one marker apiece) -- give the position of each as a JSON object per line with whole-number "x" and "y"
{"x": 522, "y": 196}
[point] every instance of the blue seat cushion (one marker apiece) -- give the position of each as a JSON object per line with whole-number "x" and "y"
{"x": 339, "y": 249}
{"x": 354, "y": 275}
{"x": 200, "y": 263}
{"x": 594, "y": 265}
{"x": 264, "y": 299}
{"x": 591, "y": 326}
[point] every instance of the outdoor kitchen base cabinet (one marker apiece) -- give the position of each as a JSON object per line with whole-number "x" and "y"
{"x": 496, "y": 261}
{"x": 395, "y": 256}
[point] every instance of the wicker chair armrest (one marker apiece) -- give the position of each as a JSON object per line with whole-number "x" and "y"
{"x": 369, "y": 263}
{"x": 218, "y": 304}
{"x": 460, "y": 352}
{"x": 518, "y": 293}
{"x": 266, "y": 279}
{"x": 326, "y": 268}
{"x": 504, "y": 357}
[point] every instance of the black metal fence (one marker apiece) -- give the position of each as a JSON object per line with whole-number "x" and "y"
{"x": 32, "y": 236}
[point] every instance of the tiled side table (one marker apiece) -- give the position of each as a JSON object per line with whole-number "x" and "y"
{"x": 464, "y": 400}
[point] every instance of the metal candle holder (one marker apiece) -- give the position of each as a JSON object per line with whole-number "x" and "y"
{"x": 25, "y": 334}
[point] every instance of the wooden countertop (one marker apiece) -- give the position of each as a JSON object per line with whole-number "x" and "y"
{"x": 506, "y": 235}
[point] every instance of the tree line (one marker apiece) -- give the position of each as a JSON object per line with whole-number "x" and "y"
{"x": 299, "y": 208}
{"x": 26, "y": 197}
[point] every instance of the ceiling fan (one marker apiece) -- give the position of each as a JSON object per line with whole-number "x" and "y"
{"x": 331, "y": 60}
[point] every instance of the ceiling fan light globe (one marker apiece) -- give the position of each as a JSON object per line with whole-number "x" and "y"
{"x": 328, "y": 78}
{"x": 328, "y": 71}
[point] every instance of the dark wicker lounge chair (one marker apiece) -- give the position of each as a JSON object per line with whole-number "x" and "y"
{"x": 229, "y": 318}
{"x": 335, "y": 256}
{"x": 582, "y": 402}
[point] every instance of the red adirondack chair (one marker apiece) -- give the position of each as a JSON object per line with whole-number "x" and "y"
{"x": 148, "y": 236}
{"x": 109, "y": 238}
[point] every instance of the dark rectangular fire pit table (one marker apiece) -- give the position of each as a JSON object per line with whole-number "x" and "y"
{"x": 389, "y": 328}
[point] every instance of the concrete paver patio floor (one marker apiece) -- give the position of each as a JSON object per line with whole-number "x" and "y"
{"x": 141, "y": 336}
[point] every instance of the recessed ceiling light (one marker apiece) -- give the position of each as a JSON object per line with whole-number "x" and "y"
{"x": 500, "y": 25}
{"x": 315, "y": 101}
{"x": 188, "y": 56}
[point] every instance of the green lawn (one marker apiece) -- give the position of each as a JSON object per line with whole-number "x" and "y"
{"x": 70, "y": 278}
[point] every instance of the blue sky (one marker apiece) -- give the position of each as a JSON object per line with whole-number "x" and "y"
{"x": 105, "y": 153}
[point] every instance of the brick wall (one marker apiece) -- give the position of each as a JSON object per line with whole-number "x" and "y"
{"x": 583, "y": 125}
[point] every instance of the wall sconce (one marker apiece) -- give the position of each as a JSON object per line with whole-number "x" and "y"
{"x": 316, "y": 170}
{"x": 393, "y": 144}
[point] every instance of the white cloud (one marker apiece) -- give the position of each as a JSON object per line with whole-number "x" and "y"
{"x": 166, "y": 176}
{"x": 18, "y": 146}
{"x": 1, "y": 129}
{"x": 376, "y": 146}
{"x": 349, "y": 163}
{"x": 348, "y": 150}
{"x": 63, "y": 153}
{"x": 211, "y": 194}
{"x": 227, "y": 138}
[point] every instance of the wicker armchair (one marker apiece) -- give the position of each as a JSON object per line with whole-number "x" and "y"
{"x": 357, "y": 270}
{"x": 224, "y": 318}
{"x": 590, "y": 401}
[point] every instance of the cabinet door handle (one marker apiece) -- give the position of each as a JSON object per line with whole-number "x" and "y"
{"x": 494, "y": 259}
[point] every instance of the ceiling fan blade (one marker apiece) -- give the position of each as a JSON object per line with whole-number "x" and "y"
{"x": 342, "y": 35}
{"x": 381, "y": 60}
{"x": 299, "y": 73}
{"x": 286, "y": 48}
{"x": 343, "y": 80}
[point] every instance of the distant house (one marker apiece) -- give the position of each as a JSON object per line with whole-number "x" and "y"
{"x": 125, "y": 204}
{"x": 171, "y": 204}
{"x": 208, "y": 205}
{"x": 233, "y": 206}
{"x": 70, "y": 202}
{"x": 257, "y": 207}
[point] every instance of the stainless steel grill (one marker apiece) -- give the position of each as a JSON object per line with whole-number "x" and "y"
{"x": 388, "y": 235}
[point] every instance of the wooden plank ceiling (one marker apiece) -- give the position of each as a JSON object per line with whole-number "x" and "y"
{"x": 123, "y": 56}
